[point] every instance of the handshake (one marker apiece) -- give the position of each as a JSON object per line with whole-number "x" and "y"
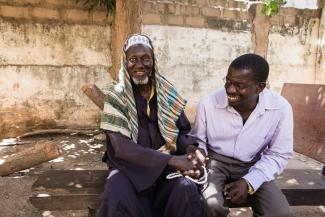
{"x": 190, "y": 164}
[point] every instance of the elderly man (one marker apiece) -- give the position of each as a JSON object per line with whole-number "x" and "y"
{"x": 146, "y": 129}
{"x": 247, "y": 132}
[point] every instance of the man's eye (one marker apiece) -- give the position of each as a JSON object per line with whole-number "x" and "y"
{"x": 146, "y": 60}
{"x": 132, "y": 60}
{"x": 241, "y": 86}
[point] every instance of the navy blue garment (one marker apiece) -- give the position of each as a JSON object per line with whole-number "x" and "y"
{"x": 136, "y": 185}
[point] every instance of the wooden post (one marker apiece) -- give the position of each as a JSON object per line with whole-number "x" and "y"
{"x": 25, "y": 158}
{"x": 94, "y": 94}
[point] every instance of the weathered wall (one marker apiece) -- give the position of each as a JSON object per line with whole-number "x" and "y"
{"x": 196, "y": 41}
{"x": 48, "y": 49}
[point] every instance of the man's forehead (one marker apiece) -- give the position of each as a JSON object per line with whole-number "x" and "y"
{"x": 242, "y": 74}
{"x": 138, "y": 48}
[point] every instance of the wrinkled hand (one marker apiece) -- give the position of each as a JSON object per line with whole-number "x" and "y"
{"x": 181, "y": 163}
{"x": 198, "y": 159}
{"x": 237, "y": 191}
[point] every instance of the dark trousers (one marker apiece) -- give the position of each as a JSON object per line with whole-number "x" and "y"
{"x": 168, "y": 198}
{"x": 267, "y": 201}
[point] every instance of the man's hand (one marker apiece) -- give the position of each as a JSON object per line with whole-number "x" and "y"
{"x": 237, "y": 191}
{"x": 197, "y": 155}
{"x": 181, "y": 163}
{"x": 198, "y": 158}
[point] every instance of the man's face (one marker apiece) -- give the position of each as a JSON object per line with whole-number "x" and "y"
{"x": 241, "y": 87}
{"x": 139, "y": 63}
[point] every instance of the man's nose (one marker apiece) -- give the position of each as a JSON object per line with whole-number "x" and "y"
{"x": 231, "y": 89}
{"x": 139, "y": 64}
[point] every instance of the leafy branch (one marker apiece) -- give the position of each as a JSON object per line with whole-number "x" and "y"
{"x": 271, "y": 7}
{"x": 110, "y": 5}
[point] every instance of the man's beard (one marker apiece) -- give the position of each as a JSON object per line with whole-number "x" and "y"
{"x": 140, "y": 81}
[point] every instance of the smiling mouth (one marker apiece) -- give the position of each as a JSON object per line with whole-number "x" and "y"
{"x": 233, "y": 98}
{"x": 139, "y": 73}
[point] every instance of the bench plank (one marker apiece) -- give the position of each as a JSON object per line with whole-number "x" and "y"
{"x": 54, "y": 189}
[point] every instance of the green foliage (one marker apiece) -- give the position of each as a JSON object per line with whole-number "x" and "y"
{"x": 271, "y": 7}
{"x": 92, "y": 4}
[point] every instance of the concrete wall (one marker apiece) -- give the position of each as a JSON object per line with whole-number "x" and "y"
{"x": 195, "y": 42}
{"x": 48, "y": 49}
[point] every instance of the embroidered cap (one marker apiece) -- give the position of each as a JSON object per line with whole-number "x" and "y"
{"x": 136, "y": 39}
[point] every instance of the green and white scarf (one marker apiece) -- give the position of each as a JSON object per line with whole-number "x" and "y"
{"x": 120, "y": 114}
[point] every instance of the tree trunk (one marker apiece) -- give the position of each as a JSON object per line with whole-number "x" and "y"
{"x": 127, "y": 21}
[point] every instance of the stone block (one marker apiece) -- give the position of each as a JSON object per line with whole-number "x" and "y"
{"x": 218, "y": 3}
{"x": 288, "y": 11}
{"x": 151, "y": 19}
{"x": 175, "y": 20}
{"x": 195, "y": 21}
{"x": 231, "y": 14}
{"x": 147, "y": 6}
{"x": 159, "y": 7}
{"x": 236, "y": 4}
{"x": 13, "y": 11}
{"x": 190, "y": 10}
{"x": 275, "y": 20}
{"x": 211, "y": 12}
{"x": 102, "y": 17}
{"x": 46, "y": 13}
{"x": 171, "y": 8}
{"x": 76, "y": 15}
{"x": 57, "y": 2}
{"x": 291, "y": 20}
{"x": 24, "y": 2}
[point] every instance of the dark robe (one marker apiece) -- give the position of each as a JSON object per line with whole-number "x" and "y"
{"x": 136, "y": 185}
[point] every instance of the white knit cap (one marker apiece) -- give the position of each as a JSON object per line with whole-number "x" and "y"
{"x": 136, "y": 39}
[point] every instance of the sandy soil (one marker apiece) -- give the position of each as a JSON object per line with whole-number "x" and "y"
{"x": 85, "y": 153}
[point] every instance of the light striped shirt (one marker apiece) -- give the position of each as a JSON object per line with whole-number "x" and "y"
{"x": 267, "y": 132}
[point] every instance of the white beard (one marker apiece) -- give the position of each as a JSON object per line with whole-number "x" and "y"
{"x": 142, "y": 81}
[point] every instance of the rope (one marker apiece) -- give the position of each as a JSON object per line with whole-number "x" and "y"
{"x": 203, "y": 179}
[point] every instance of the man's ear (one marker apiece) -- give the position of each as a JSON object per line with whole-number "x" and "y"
{"x": 261, "y": 86}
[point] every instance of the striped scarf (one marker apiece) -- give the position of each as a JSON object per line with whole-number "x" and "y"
{"x": 120, "y": 114}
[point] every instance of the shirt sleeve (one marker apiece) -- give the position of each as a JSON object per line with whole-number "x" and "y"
{"x": 200, "y": 127}
{"x": 275, "y": 157}
{"x": 184, "y": 139}
{"x": 142, "y": 166}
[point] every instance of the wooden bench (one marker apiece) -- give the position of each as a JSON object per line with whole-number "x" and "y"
{"x": 80, "y": 189}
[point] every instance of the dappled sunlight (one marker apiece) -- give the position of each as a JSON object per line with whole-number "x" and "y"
{"x": 307, "y": 99}
{"x": 57, "y": 160}
{"x": 10, "y": 141}
{"x": 47, "y": 214}
{"x": 43, "y": 195}
{"x": 322, "y": 208}
{"x": 76, "y": 185}
{"x": 2, "y": 161}
{"x": 72, "y": 156}
{"x": 68, "y": 147}
{"x": 240, "y": 211}
{"x": 292, "y": 182}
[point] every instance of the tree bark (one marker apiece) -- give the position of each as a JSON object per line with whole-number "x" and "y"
{"x": 127, "y": 21}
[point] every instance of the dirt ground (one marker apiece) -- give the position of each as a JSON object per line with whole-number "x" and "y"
{"x": 85, "y": 152}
